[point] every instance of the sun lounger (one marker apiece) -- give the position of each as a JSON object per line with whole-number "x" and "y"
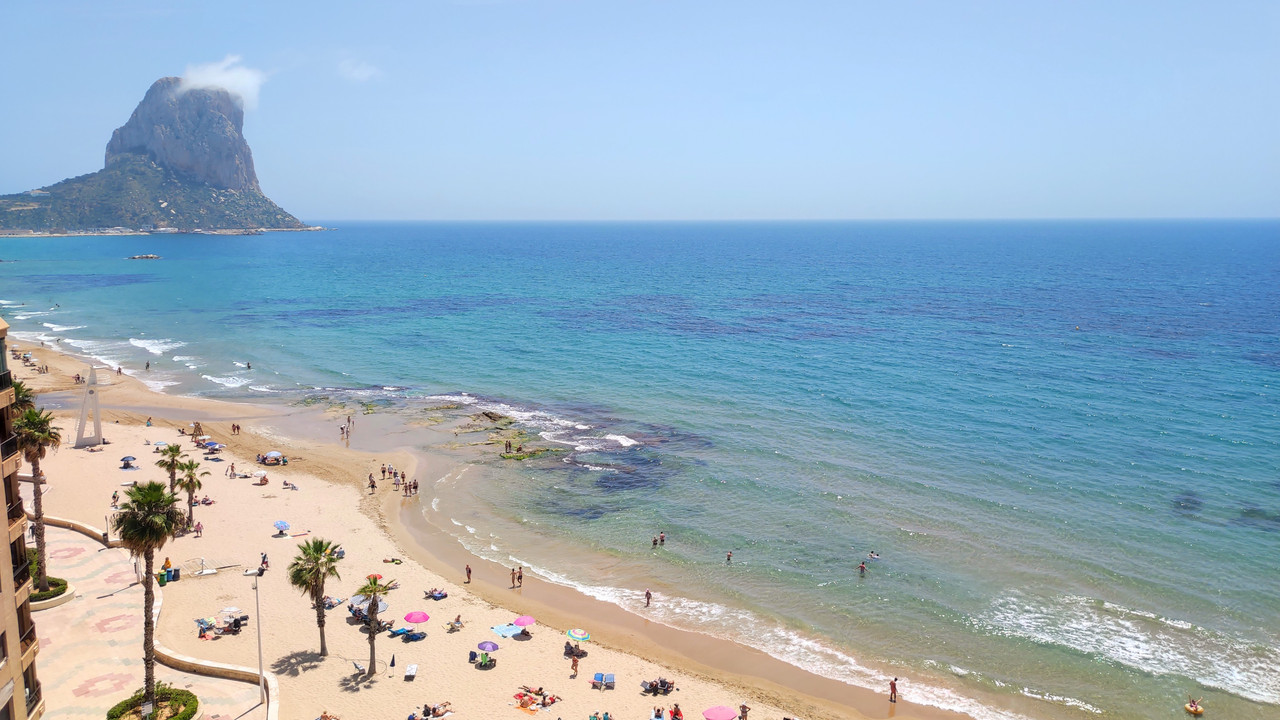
{"x": 400, "y": 631}
{"x": 609, "y": 681}
{"x": 414, "y": 637}
{"x": 360, "y": 668}
{"x": 597, "y": 682}
{"x": 410, "y": 672}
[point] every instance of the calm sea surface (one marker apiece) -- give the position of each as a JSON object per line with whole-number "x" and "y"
{"x": 1063, "y": 439}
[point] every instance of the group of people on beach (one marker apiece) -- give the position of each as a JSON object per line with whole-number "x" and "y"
{"x": 344, "y": 430}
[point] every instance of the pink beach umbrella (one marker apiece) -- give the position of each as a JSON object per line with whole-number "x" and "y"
{"x": 720, "y": 712}
{"x": 524, "y": 621}
{"x": 417, "y": 616}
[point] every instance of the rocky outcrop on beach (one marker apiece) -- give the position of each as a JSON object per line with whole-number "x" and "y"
{"x": 180, "y": 164}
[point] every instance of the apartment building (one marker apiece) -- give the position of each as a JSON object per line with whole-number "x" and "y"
{"x": 19, "y": 688}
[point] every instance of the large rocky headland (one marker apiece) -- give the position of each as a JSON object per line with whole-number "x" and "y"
{"x": 180, "y": 164}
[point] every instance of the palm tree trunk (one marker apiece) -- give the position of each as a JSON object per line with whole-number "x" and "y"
{"x": 173, "y": 480}
{"x": 324, "y": 650}
{"x": 373, "y": 634}
{"x": 149, "y": 629}
{"x": 191, "y": 508}
{"x": 42, "y": 566}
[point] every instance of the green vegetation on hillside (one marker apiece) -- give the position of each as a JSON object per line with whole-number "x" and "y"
{"x": 136, "y": 193}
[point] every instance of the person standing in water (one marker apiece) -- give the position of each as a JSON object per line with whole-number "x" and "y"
{"x": 728, "y": 558}
{"x": 893, "y": 690}
{"x": 468, "y": 573}
{"x": 648, "y": 597}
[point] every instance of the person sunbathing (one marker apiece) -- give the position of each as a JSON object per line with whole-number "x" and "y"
{"x": 528, "y": 701}
{"x": 528, "y": 689}
{"x": 440, "y": 710}
{"x": 206, "y": 501}
{"x": 549, "y": 700}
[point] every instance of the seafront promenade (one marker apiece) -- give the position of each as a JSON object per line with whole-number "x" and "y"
{"x": 91, "y": 647}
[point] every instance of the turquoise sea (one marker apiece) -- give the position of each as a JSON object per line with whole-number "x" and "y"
{"x": 1062, "y": 438}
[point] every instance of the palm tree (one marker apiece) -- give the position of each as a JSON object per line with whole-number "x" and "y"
{"x": 371, "y": 589}
{"x": 190, "y": 483}
{"x": 36, "y": 434}
{"x": 170, "y": 458}
{"x": 24, "y": 398}
{"x": 147, "y": 519}
{"x": 316, "y": 562}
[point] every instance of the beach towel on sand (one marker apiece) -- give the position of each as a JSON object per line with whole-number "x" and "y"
{"x": 507, "y": 631}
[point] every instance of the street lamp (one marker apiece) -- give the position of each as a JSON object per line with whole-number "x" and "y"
{"x": 257, "y": 621}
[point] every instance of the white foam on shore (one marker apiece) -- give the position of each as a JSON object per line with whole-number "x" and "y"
{"x": 156, "y": 347}
{"x": 29, "y": 315}
{"x": 230, "y": 382}
{"x": 1142, "y": 640}
{"x": 62, "y": 328}
{"x": 770, "y": 638}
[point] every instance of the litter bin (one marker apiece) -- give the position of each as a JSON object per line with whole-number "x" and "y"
{"x": 162, "y": 578}
{"x": 168, "y": 574}
{"x": 176, "y": 572}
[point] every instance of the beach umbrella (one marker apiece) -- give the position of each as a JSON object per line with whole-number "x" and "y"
{"x": 160, "y": 443}
{"x": 230, "y": 610}
{"x": 128, "y": 458}
{"x": 275, "y": 453}
{"x": 720, "y": 712}
{"x": 215, "y": 446}
{"x": 282, "y": 525}
{"x": 579, "y": 634}
{"x": 417, "y": 616}
{"x": 373, "y": 576}
{"x": 488, "y": 646}
{"x": 523, "y": 621}
{"x": 260, "y": 473}
{"x": 203, "y": 437}
{"x": 358, "y": 600}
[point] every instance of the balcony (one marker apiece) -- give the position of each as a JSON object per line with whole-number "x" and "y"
{"x": 33, "y": 698}
{"x": 21, "y": 572}
{"x": 17, "y": 521}
{"x": 6, "y": 380}
{"x": 30, "y": 646}
{"x": 9, "y": 447}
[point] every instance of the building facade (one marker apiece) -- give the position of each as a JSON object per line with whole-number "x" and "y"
{"x": 20, "y": 695}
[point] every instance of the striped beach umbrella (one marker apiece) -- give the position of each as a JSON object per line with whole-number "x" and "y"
{"x": 579, "y": 634}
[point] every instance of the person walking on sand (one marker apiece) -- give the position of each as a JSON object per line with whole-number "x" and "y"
{"x": 743, "y": 709}
{"x": 513, "y": 577}
{"x": 199, "y": 529}
{"x": 115, "y": 498}
{"x": 384, "y": 471}
{"x": 520, "y": 577}
{"x": 573, "y": 665}
{"x": 372, "y": 484}
{"x": 648, "y": 597}
{"x": 893, "y": 690}
{"x": 468, "y": 573}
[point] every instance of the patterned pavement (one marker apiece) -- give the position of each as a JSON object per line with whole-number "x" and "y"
{"x": 91, "y": 648}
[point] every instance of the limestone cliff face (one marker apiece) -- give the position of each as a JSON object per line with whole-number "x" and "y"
{"x": 193, "y": 132}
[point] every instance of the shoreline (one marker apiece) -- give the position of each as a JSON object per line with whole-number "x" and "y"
{"x": 733, "y": 667}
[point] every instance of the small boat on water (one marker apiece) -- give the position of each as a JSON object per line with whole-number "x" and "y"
{"x": 144, "y": 257}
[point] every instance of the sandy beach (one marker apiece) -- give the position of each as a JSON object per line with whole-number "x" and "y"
{"x": 333, "y": 502}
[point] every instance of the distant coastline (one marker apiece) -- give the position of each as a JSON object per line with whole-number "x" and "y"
{"x": 112, "y": 232}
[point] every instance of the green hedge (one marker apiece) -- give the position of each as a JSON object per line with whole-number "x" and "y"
{"x": 57, "y": 586}
{"x": 164, "y": 694}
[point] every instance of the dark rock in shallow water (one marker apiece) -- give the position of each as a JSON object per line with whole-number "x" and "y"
{"x": 1187, "y": 503}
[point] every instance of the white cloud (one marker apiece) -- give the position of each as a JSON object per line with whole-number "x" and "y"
{"x": 358, "y": 70}
{"x": 242, "y": 82}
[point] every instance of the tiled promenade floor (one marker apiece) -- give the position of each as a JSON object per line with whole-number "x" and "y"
{"x": 91, "y": 648}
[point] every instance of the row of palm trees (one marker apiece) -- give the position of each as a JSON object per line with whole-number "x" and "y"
{"x": 149, "y": 517}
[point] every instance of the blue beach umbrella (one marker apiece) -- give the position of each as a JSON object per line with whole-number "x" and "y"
{"x": 282, "y": 525}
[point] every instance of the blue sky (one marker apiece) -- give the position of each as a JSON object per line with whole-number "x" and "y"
{"x": 686, "y": 110}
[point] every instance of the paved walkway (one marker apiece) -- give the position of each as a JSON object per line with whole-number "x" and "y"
{"x": 91, "y": 648}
